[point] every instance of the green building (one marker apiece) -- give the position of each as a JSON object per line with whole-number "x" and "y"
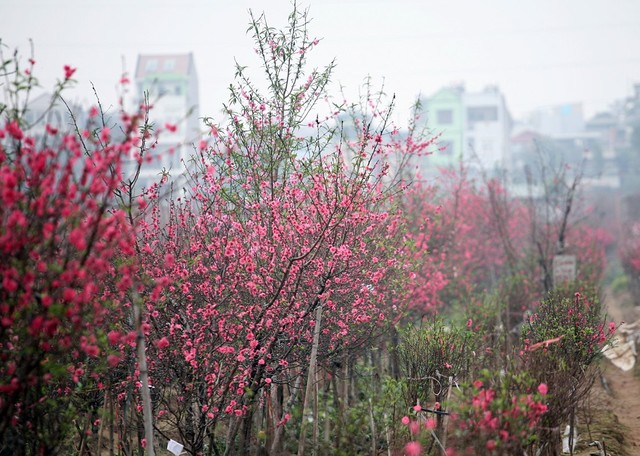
{"x": 444, "y": 114}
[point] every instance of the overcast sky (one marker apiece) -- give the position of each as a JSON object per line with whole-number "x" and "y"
{"x": 539, "y": 52}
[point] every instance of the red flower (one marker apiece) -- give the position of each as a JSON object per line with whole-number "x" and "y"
{"x": 113, "y": 360}
{"x": 68, "y": 72}
{"x": 14, "y": 130}
{"x": 51, "y": 129}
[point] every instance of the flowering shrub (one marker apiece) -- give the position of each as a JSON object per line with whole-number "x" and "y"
{"x": 430, "y": 355}
{"x": 561, "y": 342}
{"x": 290, "y": 248}
{"x": 66, "y": 264}
{"x": 286, "y": 251}
{"x": 629, "y": 253}
{"x": 434, "y": 358}
{"x": 498, "y": 416}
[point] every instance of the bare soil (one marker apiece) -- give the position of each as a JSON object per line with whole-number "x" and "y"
{"x": 624, "y": 399}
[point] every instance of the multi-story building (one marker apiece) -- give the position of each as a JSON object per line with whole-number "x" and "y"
{"x": 471, "y": 126}
{"x": 46, "y": 109}
{"x": 487, "y": 130}
{"x": 564, "y": 139}
{"x": 563, "y": 119}
{"x": 444, "y": 116}
{"x": 171, "y": 83}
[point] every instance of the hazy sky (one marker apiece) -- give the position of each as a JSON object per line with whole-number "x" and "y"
{"x": 539, "y": 52}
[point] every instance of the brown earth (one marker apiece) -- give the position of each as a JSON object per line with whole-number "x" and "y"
{"x": 618, "y": 408}
{"x": 625, "y": 386}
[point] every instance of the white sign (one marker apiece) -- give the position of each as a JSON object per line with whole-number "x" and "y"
{"x": 175, "y": 447}
{"x": 564, "y": 268}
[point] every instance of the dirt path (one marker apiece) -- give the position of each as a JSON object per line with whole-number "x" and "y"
{"x": 626, "y": 403}
{"x": 625, "y": 386}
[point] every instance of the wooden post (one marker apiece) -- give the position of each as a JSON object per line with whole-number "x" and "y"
{"x": 310, "y": 379}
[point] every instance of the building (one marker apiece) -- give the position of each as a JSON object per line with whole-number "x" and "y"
{"x": 487, "y": 129}
{"x": 46, "y": 110}
{"x": 445, "y": 118}
{"x": 558, "y": 136}
{"x": 564, "y": 119}
{"x": 471, "y": 126}
{"x": 171, "y": 83}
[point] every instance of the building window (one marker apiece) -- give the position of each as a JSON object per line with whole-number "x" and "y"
{"x": 445, "y": 116}
{"x": 169, "y": 64}
{"x": 482, "y": 114}
{"x": 152, "y": 65}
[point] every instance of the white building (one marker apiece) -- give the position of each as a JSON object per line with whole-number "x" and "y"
{"x": 46, "y": 109}
{"x": 171, "y": 82}
{"x": 555, "y": 120}
{"x": 487, "y": 129}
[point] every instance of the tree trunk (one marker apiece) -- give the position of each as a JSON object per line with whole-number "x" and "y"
{"x": 445, "y": 421}
{"x": 277, "y": 439}
{"x": 311, "y": 377}
{"x": 144, "y": 379}
{"x": 315, "y": 413}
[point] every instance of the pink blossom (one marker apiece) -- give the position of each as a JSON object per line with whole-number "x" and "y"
{"x": 430, "y": 423}
{"x": 405, "y": 420}
{"x": 169, "y": 260}
{"x": 113, "y": 360}
{"x": 105, "y": 134}
{"x": 413, "y": 449}
{"x": 542, "y": 388}
{"x": 162, "y": 343}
